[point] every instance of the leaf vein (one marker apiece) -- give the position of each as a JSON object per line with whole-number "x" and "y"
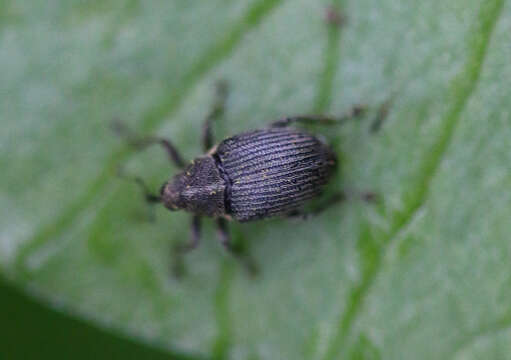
{"x": 498, "y": 326}
{"x": 462, "y": 87}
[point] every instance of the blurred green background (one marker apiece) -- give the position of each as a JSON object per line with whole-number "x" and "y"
{"x": 31, "y": 330}
{"x": 424, "y": 274}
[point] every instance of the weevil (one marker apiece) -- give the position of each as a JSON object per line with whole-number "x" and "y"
{"x": 255, "y": 175}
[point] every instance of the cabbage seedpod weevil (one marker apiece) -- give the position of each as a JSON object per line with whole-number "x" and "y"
{"x": 269, "y": 172}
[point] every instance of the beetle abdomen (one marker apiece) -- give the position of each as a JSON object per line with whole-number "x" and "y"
{"x": 273, "y": 171}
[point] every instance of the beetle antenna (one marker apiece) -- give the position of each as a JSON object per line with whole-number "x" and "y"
{"x": 354, "y": 113}
{"x": 149, "y": 197}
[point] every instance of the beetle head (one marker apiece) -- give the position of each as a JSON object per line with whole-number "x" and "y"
{"x": 170, "y": 194}
{"x": 198, "y": 189}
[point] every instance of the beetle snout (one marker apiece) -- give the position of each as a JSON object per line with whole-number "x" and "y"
{"x": 169, "y": 196}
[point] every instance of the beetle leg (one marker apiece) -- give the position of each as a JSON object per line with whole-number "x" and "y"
{"x": 195, "y": 238}
{"x": 182, "y": 248}
{"x": 216, "y": 111}
{"x": 223, "y": 232}
{"x": 141, "y": 143}
{"x": 355, "y": 112}
{"x": 225, "y": 238}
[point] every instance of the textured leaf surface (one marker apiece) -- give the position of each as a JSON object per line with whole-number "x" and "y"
{"x": 424, "y": 275}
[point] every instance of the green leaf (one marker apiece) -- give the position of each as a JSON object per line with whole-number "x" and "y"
{"x": 423, "y": 275}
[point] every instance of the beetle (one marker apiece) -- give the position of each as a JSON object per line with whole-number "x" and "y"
{"x": 255, "y": 175}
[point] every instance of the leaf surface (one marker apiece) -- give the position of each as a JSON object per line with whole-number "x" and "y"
{"x": 423, "y": 275}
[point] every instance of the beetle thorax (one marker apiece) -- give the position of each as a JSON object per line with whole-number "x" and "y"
{"x": 198, "y": 189}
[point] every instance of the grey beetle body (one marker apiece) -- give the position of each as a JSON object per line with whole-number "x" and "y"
{"x": 252, "y": 176}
